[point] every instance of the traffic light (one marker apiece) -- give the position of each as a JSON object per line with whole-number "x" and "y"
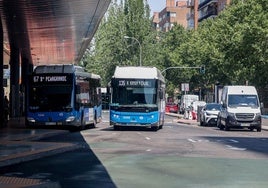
{"x": 202, "y": 69}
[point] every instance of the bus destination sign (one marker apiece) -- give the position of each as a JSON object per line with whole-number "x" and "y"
{"x": 51, "y": 79}
{"x": 135, "y": 83}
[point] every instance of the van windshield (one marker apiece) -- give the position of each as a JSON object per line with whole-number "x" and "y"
{"x": 243, "y": 100}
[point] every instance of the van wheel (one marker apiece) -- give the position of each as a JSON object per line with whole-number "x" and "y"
{"x": 219, "y": 125}
{"x": 226, "y": 128}
{"x": 201, "y": 123}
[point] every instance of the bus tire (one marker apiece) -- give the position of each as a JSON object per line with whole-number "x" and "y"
{"x": 154, "y": 128}
{"x": 116, "y": 128}
{"x": 94, "y": 123}
{"x": 83, "y": 124}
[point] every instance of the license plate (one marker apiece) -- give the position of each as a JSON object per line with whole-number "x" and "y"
{"x": 126, "y": 117}
{"x": 50, "y": 123}
{"x": 245, "y": 124}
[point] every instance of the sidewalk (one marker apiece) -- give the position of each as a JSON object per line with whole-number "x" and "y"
{"x": 19, "y": 144}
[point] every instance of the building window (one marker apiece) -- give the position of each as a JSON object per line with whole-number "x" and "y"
{"x": 173, "y": 14}
{"x": 168, "y": 14}
{"x": 166, "y": 25}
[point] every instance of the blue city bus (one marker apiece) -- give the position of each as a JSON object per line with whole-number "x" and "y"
{"x": 63, "y": 95}
{"x": 137, "y": 97}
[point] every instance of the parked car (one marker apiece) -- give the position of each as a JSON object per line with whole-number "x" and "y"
{"x": 172, "y": 107}
{"x": 209, "y": 114}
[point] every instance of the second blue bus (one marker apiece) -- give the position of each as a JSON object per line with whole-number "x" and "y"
{"x": 138, "y": 97}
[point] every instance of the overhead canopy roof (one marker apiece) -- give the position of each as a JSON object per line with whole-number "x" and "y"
{"x": 51, "y": 31}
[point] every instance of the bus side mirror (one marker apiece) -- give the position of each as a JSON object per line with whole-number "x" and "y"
{"x": 161, "y": 94}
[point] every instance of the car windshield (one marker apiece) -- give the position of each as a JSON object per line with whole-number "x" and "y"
{"x": 213, "y": 107}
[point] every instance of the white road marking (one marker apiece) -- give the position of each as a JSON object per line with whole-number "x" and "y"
{"x": 167, "y": 126}
{"x": 147, "y": 138}
{"x": 235, "y": 141}
{"x": 235, "y": 148}
{"x": 169, "y": 122}
{"x": 148, "y": 150}
{"x": 191, "y": 140}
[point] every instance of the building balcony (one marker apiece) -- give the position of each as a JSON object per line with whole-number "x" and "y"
{"x": 210, "y": 13}
{"x": 206, "y": 3}
{"x": 190, "y": 4}
{"x": 190, "y": 16}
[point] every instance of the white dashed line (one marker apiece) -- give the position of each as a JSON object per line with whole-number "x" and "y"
{"x": 235, "y": 148}
{"x": 235, "y": 141}
{"x": 191, "y": 140}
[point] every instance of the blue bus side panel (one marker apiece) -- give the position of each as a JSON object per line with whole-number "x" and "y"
{"x": 134, "y": 117}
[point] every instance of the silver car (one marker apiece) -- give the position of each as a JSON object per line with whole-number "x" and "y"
{"x": 209, "y": 114}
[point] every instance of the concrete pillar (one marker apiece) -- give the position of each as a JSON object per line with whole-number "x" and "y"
{"x": 1, "y": 75}
{"x": 14, "y": 97}
{"x": 26, "y": 70}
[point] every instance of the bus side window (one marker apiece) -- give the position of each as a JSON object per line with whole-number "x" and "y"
{"x": 77, "y": 97}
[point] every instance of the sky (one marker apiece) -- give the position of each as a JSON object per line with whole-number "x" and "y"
{"x": 157, "y": 5}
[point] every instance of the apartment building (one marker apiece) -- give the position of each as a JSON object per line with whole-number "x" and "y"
{"x": 175, "y": 12}
{"x": 200, "y": 10}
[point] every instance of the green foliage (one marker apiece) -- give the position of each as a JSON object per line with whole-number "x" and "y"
{"x": 232, "y": 46}
{"x": 109, "y": 49}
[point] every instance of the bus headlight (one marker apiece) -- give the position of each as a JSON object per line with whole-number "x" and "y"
{"x": 116, "y": 116}
{"x": 70, "y": 119}
{"x": 32, "y": 120}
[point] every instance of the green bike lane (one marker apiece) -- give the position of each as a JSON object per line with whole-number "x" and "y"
{"x": 135, "y": 165}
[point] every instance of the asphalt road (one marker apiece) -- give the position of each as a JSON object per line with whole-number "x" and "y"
{"x": 176, "y": 156}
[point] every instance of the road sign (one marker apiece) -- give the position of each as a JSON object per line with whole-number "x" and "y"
{"x": 185, "y": 87}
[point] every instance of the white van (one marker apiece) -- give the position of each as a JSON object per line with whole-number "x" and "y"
{"x": 240, "y": 108}
{"x": 186, "y": 101}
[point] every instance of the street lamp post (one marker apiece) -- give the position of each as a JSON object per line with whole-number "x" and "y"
{"x": 127, "y": 37}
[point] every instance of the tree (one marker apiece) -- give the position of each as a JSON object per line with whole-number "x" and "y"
{"x": 125, "y": 18}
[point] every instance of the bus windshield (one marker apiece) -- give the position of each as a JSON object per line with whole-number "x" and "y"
{"x": 50, "y": 98}
{"x": 138, "y": 95}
